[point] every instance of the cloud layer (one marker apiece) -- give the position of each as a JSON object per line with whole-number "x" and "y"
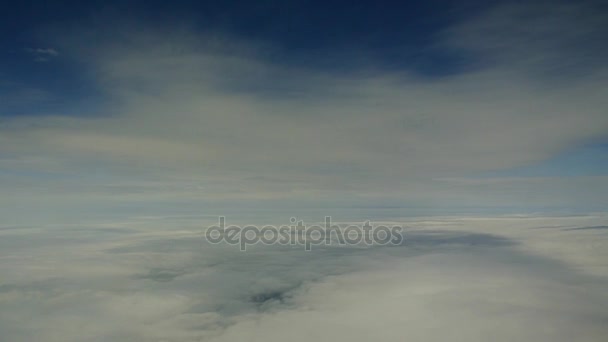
{"x": 470, "y": 279}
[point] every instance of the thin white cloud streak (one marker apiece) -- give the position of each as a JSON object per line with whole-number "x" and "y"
{"x": 44, "y": 51}
{"x": 42, "y": 54}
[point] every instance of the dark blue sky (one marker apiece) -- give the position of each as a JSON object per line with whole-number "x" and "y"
{"x": 392, "y": 34}
{"x": 291, "y": 24}
{"x": 335, "y": 36}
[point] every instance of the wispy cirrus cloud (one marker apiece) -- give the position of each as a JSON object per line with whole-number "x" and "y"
{"x": 42, "y": 54}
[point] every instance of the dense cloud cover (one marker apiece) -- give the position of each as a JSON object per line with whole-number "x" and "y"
{"x": 463, "y": 279}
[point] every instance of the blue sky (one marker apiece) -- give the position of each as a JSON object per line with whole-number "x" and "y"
{"x": 435, "y": 106}
{"x": 314, "y": 34}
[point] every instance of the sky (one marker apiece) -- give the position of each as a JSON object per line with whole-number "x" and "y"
{"x": 128, "y": 127}
{"x": 436, "y": 106}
